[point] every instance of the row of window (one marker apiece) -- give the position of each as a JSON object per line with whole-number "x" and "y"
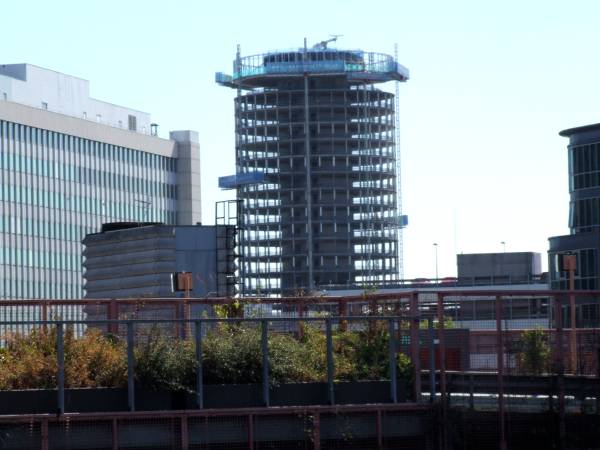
{"x": 513, "y": 308}
{"x": 53, "y": 141}
{"x": 138, "y": 209}
{"x": 40, "y": 259}
{"x": 12, "y": 288}
{"x": 584, "y": 166}
{"x": 84, "y": 175}
{"x": 584, "y": 215}
{"x": 43, "y": 228}
{"x": 67, "y": 231}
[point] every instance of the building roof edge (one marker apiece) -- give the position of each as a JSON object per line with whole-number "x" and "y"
{"x": 570, "y": 131}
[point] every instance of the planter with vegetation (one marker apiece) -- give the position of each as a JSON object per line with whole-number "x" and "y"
{"x": 166, "y": 368}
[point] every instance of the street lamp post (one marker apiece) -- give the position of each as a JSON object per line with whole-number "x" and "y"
{"x": 436, "y": 262}
{"x": 503, "y": 246}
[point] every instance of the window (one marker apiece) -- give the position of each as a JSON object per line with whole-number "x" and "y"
{"x": 84, "y": 115}
{"x": 132, "y": 123}
{"x": 98, "y": 118}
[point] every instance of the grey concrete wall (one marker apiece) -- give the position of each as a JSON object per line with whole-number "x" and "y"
{"x": 188, "y": 177}
{"x": 195, "y": 251}
{"x": 515, "y": 265}
{"x": 140, "y": 261}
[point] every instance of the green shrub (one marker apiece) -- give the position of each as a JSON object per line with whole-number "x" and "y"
{"x": 92, "y": 360}
{"x": 292, "y": 361}
{"x": 29, "y": 361}
{"x": 163, "y": 363}
{"x": 232, "y": 354}
{"x": 535, "y": 354}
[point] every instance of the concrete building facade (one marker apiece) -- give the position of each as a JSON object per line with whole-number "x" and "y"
{"x": 69, "y": 163}
{"x": 134, "y": 260}
{"x": 496, "y": 268}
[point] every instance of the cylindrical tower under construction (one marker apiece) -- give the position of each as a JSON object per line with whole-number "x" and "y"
{"x": 316, "y": 168}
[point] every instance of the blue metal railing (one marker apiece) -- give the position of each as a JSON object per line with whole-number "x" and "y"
{"x": 315, "y": 62}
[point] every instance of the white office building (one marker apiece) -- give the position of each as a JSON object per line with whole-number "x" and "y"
{"x": 69, "y": 163}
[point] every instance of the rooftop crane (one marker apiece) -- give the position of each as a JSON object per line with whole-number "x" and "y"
{"x": 323, "y": 44}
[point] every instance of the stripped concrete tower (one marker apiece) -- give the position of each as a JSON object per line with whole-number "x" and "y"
{"x": 316, "y": 169}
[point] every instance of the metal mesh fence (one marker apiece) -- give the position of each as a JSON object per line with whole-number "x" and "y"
{"x": 339, "y": 428}
{"x": 26, "y": 435}
{"x": 491, "y": 367}
{"x": 512, "y": 365}
{"x": 78, "y": 434}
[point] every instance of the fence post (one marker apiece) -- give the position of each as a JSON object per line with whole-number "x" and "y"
{"x": 573, "y": 308}
{"x": 442, "y": 355}
{"x": 316, "y": 430}
{"x": 177, "y": 307}
{"x": 343, "y": 311}
{"x": 187, "y": 313}
{"x": 113, "y": 314}
{"x": 392, "y": 350}
{"x": 265, "y": 360}
{"x": 130, "y": 368}
{"x": 44, "y": 315}
{"x": 199, "y": 380}
{"x": 44, "y": 432}
{"x": 414, "y": 344}
{"x": 560, "y": 369}
{"x": 330, "y": 368}
{"x": 185, "y": 438}
{"x": 60, "y": 359}
{"x": 379, "y": 430}
{"x": 431, "y": 360}
{"x": 115, "y": 434}
{"x": 500, "y": 360}
{"x": 300, "y": 312}
{"x": 250, "y": 432}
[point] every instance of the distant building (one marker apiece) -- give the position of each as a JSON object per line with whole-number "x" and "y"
{"x": 584, "y": 223}
{"x": 497, "y": 268}
{"x": 69, "y": 163}
{"x": 584, "y": 212}
{"x": 130, "y": 260}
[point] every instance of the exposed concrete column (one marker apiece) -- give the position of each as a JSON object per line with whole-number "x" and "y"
{"x": 189, "y": 210}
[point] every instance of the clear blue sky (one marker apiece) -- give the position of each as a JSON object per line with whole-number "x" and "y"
{"x": 492, "y": 84}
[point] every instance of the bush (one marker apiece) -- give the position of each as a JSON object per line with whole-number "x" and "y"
{"x": 29, "y": 361}
{"x": 163, "y": 363}
{"x": 535, "y": 354}
{"x": 367, "y": 356}
{"x": 232, "y": 354}
{"x": 294, "y": 361}
{"x": 94, "y": 360}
